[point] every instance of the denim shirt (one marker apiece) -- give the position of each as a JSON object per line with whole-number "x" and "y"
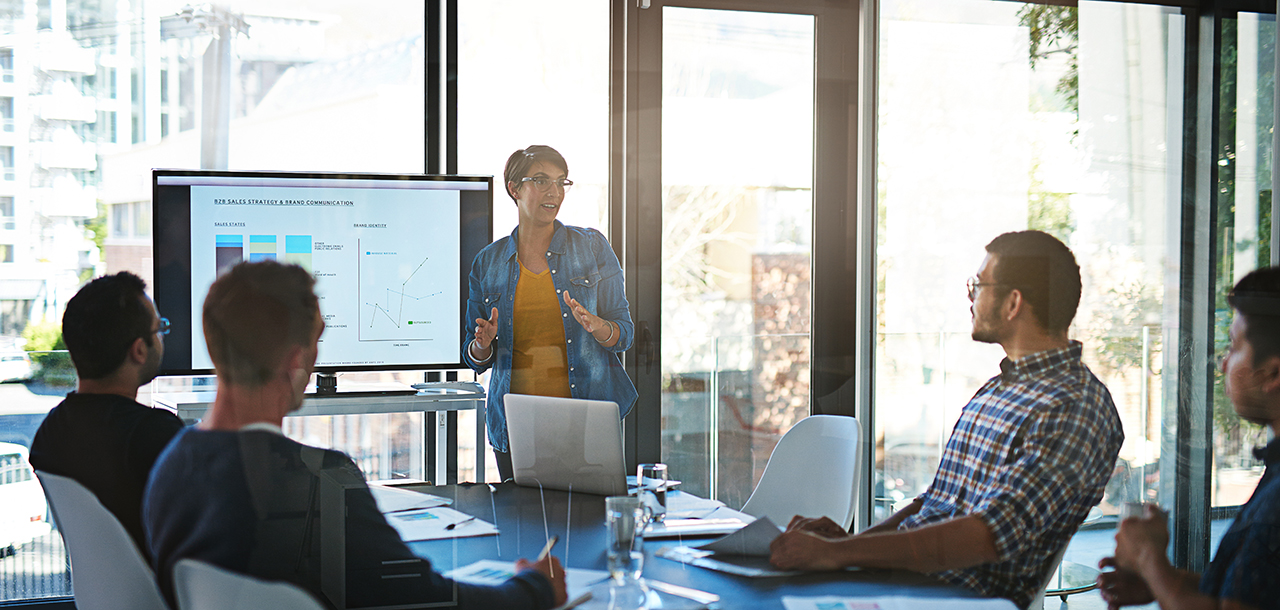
{"x": 581, "y": 262}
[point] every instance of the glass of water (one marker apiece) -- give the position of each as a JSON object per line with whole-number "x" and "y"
{"x": 626, "y": 518}
{"x": 651, "y": 486}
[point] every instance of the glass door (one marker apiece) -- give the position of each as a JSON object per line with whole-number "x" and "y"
{"x": 1243, "y": 229}
{"x": 722, "y": 192}
{"x": 737, "y": 209}
{"x": 1076, "y": 131}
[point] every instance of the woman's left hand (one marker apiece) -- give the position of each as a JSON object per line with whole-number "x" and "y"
{"x": 592, "y": 323}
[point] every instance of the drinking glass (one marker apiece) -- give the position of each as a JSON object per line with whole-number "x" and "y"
{"x": 1132, "y": 509}
{"x": 626, "y": 518}
{"x": 651, "y": 486}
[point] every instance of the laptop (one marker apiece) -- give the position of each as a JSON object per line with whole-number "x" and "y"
{"x": 566, "y": 443}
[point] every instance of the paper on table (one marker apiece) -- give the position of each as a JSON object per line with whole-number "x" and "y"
{"x": 490, "y": 572}
{"x": 394, "y": 499}
{"x": 430, "y": 524}
{"x": 751, "y": 541}
{"x": 751, "y": 567}
{"x": 831, "y": 602}
{"x": 681, "y": 505}
{"x": 631, "y": 481}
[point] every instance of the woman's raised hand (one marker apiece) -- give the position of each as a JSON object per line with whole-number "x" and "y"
{"x": 588, "y": 320}
{"x": 487, "y": 330}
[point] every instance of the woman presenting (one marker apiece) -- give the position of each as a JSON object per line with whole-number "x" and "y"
{"x": 548, "y": 302}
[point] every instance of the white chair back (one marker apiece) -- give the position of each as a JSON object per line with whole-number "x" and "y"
{"x": 813, "y": 472}
{"x": 1037, "y": 602}
{"x": 108, "y": 572}
{"x": 201, "y": 586}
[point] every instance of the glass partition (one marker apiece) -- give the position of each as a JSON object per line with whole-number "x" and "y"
{"x": 522, "y": 80}
{"x": 1243, "y": 226}
{"x": 95, "y": 94}
{"x": 737, "y": 210}
{"x": 1076, "y": 131}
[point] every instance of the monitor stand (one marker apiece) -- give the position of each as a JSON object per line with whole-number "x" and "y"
{"x": 327, "y": 386}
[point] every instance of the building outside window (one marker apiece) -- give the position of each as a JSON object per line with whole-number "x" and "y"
{"x": 114, "y": 94}
{"x": 6, "y": 163}
{"x": 6, "y": 113}
{"x": 6, "y": 65}
{"x": 7, "y": 222}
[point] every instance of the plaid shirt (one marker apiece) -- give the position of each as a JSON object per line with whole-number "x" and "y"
{"x": 1029, "y": 456}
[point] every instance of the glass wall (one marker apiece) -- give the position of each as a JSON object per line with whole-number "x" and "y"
{"x": 96, "y": 93}
{"x": 737, "y": 210}
{"x": 535, "y": 73}
{"x": 1243, "y": 226}
{"x": 999, "y": 116}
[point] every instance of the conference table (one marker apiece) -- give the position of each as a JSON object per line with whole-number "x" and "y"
{"x": 527, "y": 516}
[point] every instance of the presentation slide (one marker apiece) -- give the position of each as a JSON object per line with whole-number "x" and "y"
{"x": 387, "y": 277}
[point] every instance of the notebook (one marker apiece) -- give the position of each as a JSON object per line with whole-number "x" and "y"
{"x": 566, "y": 443}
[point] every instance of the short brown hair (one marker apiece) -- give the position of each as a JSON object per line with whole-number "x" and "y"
{"x": 520, "y": 161}
{"x": 254, "y": 315}
{"x": 1044, "y": 270}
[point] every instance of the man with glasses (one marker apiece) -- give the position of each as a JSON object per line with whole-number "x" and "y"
{"x": 100, "y": 435}
{"x": 1029, "y": 456}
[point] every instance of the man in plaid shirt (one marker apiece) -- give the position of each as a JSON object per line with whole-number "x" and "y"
{"x": 1029, "y": 456}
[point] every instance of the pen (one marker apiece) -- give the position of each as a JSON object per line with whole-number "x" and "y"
{"x": 457, "y": 523}
{"x": 546, "y": 550}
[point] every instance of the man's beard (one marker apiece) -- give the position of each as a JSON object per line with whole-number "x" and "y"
{"x": 985, "y": 325}
{"x": 151, "y": 367}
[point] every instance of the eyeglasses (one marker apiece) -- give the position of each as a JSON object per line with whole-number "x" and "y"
{"x": 164, "y": 326}
{"x": 544, "y": 184}
{"x": 973, "y": 284}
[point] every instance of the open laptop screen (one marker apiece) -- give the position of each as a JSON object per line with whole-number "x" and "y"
{"x": 566, "y": 443}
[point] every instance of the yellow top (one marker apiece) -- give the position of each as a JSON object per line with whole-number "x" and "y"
{"x": 539, "y": 362}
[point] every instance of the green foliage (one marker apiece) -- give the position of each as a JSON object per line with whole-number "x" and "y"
{"x": 43, "y": 336}
{"x": 1234, "y": 434}
{"x": 1055, "y": 30}
{"x": 1051, "y": 213}
{"x": 1132, "y": 306}
{"x": 53, "y": 362}
{"x": 96, "y": 228}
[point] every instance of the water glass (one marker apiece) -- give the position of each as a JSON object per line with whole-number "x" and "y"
{"x": 651, "y": 486}
{"x": 1132, "y": 509}
{"x": 626, "y": 518}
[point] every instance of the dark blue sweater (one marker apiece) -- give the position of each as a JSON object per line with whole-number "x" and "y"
{"x": 249, "y": 502}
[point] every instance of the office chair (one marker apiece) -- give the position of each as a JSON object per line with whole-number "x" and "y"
{"x": 202, "y": 586}
{"x": 812, "y": 472}
{"x": 108, "y": 572}
{"x": 1037, "y": 602}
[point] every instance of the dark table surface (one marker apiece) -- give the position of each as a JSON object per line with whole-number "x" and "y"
{"x": 527, "y": 516}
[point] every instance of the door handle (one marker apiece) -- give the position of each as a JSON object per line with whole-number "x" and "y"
{"x": 646, "y": 348}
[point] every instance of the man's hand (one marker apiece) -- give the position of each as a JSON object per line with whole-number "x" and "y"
{"x": 549, "y": 567}
{"x": 821, "y": 526}
{"x": 1122, "y": 587}
{"x": 1141, "y": 539}
{"x": 800, "y": 550}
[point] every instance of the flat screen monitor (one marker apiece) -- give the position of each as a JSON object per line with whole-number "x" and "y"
{"x": 391, "y": 255}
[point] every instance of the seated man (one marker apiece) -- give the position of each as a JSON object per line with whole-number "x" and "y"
{"x": 1245, "y": 572}
{"x": 1029, "y": 456}
{"x": 100, "y": 436}
{"x": 234, "y": 492}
